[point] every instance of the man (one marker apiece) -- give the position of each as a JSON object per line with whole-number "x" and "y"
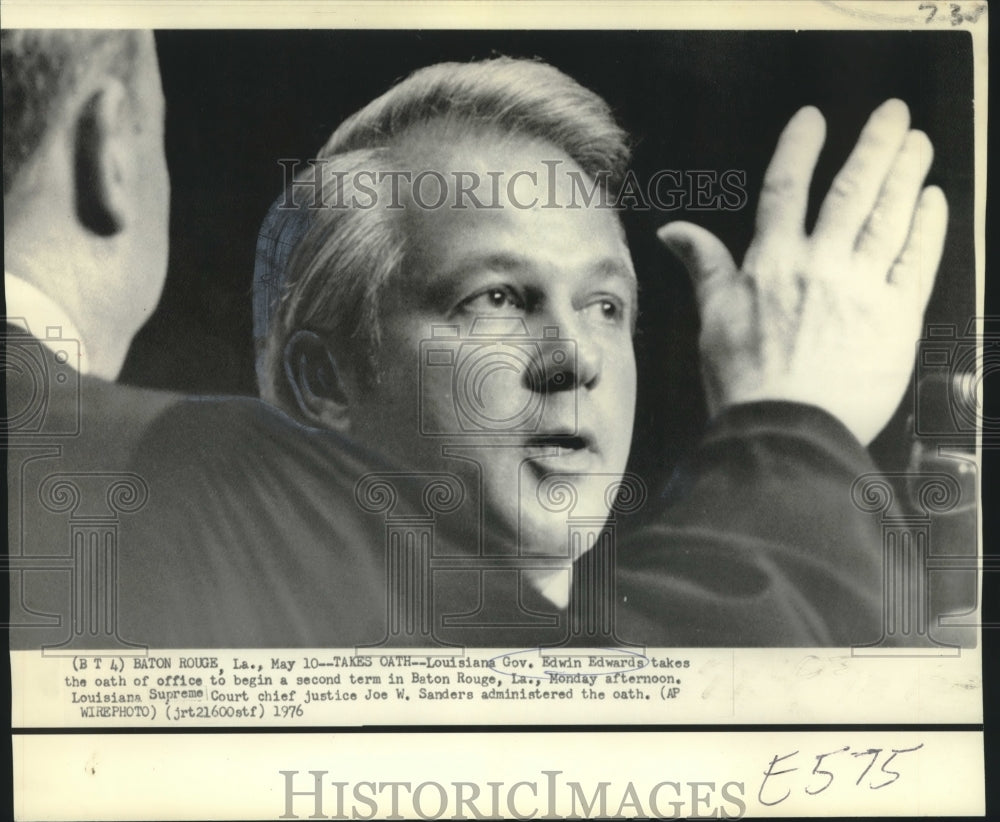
{"x": 299, "y": 506}
{"x": 481, "y": 331}
{"x": 86, "y": 198}
{"x": 86, "y": 191}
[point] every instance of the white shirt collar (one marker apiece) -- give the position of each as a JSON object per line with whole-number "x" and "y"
{"x": 43, "y": 318}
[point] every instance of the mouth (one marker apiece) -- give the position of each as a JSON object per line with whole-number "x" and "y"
{"x": 561, "y": 451}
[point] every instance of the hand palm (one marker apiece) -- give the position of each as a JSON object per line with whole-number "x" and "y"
{"x": 830, "y": 319}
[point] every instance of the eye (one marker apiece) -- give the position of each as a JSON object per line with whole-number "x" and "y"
{"x": 495, "y": 298}
{"x": 607, "y": 309}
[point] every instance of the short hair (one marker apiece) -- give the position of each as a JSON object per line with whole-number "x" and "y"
{"x": 40, "y": 70}
{"x": 336, "y": 274}
{"x": 347, "y": 256}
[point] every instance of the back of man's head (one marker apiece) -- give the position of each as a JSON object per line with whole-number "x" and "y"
{"x": 86, "y": 192}
{"x": 42, "y": 70}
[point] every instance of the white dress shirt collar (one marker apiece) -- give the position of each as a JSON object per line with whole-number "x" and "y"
{"x": 43, "y": 318}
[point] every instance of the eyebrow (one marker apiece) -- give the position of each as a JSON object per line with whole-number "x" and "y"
{"x": 616, "y": 269}
{"x": 506, "y": 261}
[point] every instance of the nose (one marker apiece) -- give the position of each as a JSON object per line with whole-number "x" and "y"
{"x": 565, "y": 362}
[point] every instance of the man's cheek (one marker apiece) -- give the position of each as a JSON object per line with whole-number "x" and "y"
{"x": 620, "y": 408}
{"x": 495, "y": 400}
{"x": 436, "y": 409}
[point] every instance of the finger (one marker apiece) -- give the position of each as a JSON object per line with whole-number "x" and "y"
{"x": 703, "y": 254}
{"x": 918, "y": 262}
{"x": 889, "y": 223}
{"x": 856, "y": 186}
{"x": 785, "y": 193}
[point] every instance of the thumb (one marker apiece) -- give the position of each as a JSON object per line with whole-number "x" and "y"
{"x": 701, "y": 252}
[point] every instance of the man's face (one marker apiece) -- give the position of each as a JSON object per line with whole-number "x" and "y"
{"x": 506, "y": 353}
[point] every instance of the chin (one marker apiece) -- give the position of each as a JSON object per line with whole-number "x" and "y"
{"x": 545, "y": 536}
{"x": 563, "y": 514}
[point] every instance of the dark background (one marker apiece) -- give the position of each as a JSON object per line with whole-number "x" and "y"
{"x": 237, "y": 101}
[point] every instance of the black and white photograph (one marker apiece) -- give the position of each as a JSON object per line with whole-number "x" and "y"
{"x": 470, "y": 375}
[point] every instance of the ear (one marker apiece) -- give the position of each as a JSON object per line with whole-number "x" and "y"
{"x": 102, "y": 158}
{"x": 316, "y": 381}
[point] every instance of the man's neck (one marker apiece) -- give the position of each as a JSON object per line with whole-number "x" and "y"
{"x": 552, "y": 584}
{"x": 45, "y": 292}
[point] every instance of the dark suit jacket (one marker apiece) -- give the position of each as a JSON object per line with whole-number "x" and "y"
{"x": 69, "y": 441}
{"x": 260, "y": 537}
{"x": 764, "y": 545}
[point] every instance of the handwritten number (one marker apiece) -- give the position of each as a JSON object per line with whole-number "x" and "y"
{"x": 895, "y": 774}
{"x": 972, "y": 18}
{"x": 957, "y": 17}
{"x": 828, "y": 774}
{"x": 875, "y": 752}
